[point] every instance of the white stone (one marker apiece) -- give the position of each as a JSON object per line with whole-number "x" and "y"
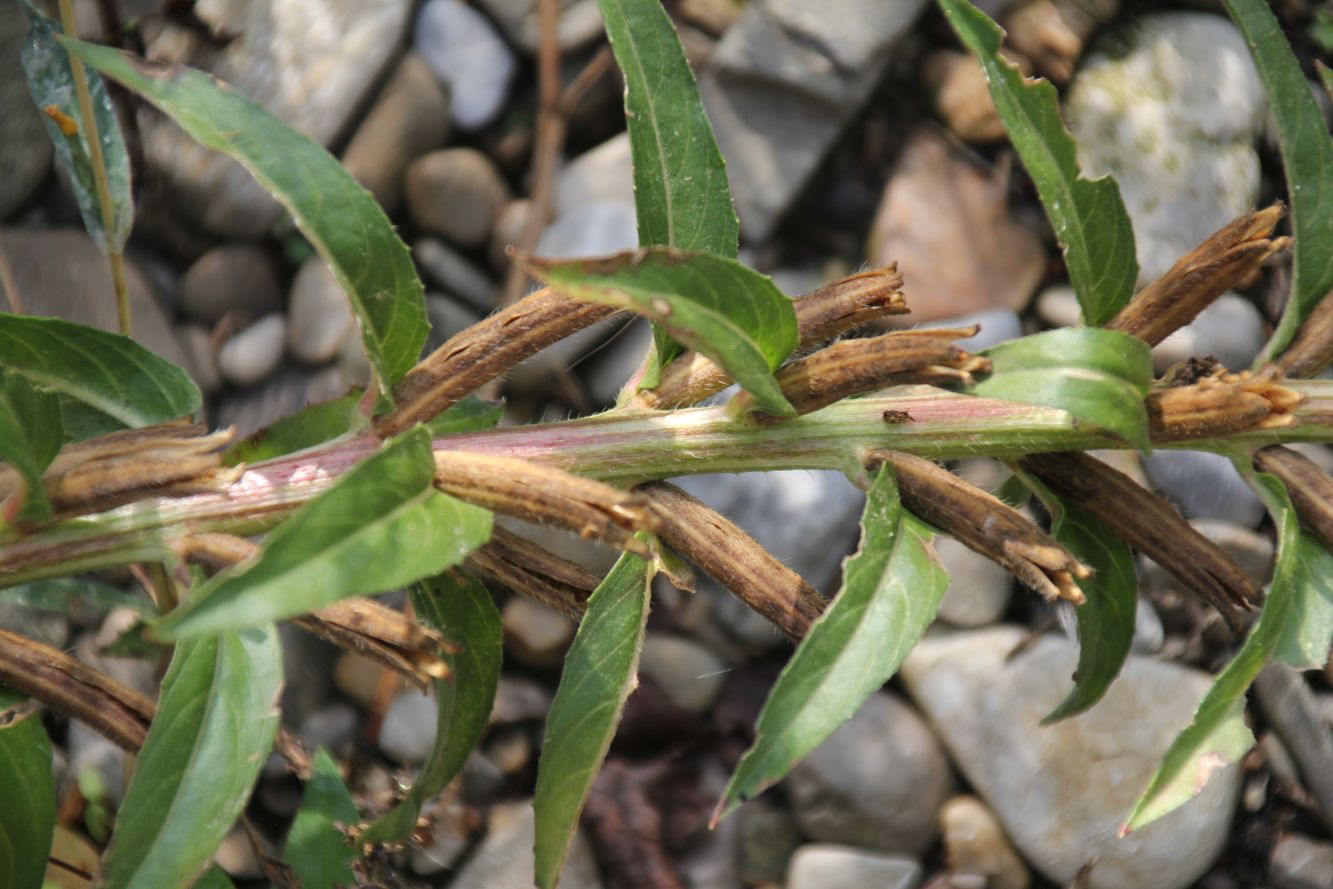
{"x": 689, "y": 674}
{"x": 828, "y": 866}
{"x": 319, "y": 315}
{"x": 1172, "y": 108}
{"x": 978, "y": 589}
{"x": 255, "y": 352}
{"x": 1204, "y": 485}
{"x": 603, "y": 173}
{"x": 1062, "y": 791}
{"x": 461, "y": 47}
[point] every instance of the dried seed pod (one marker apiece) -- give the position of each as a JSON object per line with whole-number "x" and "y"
{"x": 853, "y": 367}
{"x": 542, "y": 494}
{"x": 1310, "y": 488}
{"x": 474, "y": 357}
{"x": 1219, "y": 406}
{"x": 1224, "y": 260}
{"x": 1151, "y": 525}
{"x": 532, "y": 571}
{"x": 734, "y": 559}
{"x": 986, "y": 525}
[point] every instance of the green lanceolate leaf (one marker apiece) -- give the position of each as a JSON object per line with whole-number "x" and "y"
{"x": 216, "y": 719}
{"x": 383, "y": 525}
{"x": 51, "y": 82}
{"x": 1088, "y": 216}
{"x": 338, "y": 216}
{"x": 1307, "y": 154}
{"x": 63, "y": 595}
{"x": 105, "y": 381}
{"x": 680, "y": 179}
{"x": 214, "y": 878}
{"x": 599, "y": 674}
{"x": 891, "y": 590}
{"x": 461, "y": 608}
{"x": 318, "y": 851}
{"x": 716, "y": 306}
{"x": 30, "y": 437}
{"x": 1099, "y": 376}
{"x": 28, "y": 816}
{"x": 1293, "y": 627}
{"x": 312, "y": 425}
{"x": 1106, "y": 619}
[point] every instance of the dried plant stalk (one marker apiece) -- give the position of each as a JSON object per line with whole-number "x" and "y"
{"x": 542, "y": 494}
{"x": 114, "y": 711}
{"x": 844, "y": 305}
{"x": 734, "y": 559}
{"x": 1310, "y": 488}
{"x": 483, "y": 352}
{"x": 109, "y": 470}
{"x": 854, "y": 367}
{"x": 1151, "y": 525}
{"x": 1223, "y": 261}
{"x": 1312, "y": 349}
{"x": 986, "y": 525}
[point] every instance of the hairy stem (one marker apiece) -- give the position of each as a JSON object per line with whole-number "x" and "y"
{"x": 623, "y": 450}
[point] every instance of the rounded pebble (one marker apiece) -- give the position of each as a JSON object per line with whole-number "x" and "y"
{"x": 456, "y": 193}
{"x": 463, "y": 50}
{"x": 255, "y": 352}
{"x": 231, "y": 278}
{"x": 319, "y": 315}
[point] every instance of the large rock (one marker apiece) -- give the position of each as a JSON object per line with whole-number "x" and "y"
{"x": 1062, "y": 791}
{"x": 946, "y": 222}
{"x": 61, "y": 272}
{"x": 782, "y": 84}
{"x": 878, "y": 781}
{"x": 25, "y": 149}
{"x": 1171, "y": 106}
{"x": 310, "y": 62}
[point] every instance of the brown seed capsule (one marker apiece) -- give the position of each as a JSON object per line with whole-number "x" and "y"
{"x": 1310, "y": 488}
{"x": 985, "y": 525}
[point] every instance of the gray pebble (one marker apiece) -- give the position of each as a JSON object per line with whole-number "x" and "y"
{"x": 878, "y": 781}
{"x": 456, "y": 193}
{"x": 1300, "y": 862}
{"x": 319, "y": 315}
{"x": 449, "y": 270}
{"x": 463, "y": 50}
{"x": 535, "y": 634}
{"x": 979, "y": 589}
{"x": 232, "y": 278}
{"x": 594, "y": 229}
{"x": 504, "y": 860}
{"x": 511, "y": 226}
{"x": 447, "y": 318}
{"x": 1204, "y": 486}
{"x": 254, "y": 352}
{"x": 519, "y": 700}
{"x": 828, "y": 866}
{"x": 689, "y": 674}
{"x": 409, "y": 118}
{"x": 1058, "y": 306}
{"x": 332, "y": 727}
{"x": 1231, "y": 330}
{"x": 408, "y": 732}
{"x": 201, "y": 358}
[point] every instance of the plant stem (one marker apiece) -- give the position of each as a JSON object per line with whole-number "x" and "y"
{"x": 624, "y": 450}
{"x": 93, "y": 139}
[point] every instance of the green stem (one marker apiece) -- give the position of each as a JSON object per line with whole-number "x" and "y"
{"x": 93, "y": 138}
{"x": 624, "y": 450}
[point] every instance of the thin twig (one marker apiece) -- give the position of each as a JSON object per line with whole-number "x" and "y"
{"x": 91, "y": 137}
